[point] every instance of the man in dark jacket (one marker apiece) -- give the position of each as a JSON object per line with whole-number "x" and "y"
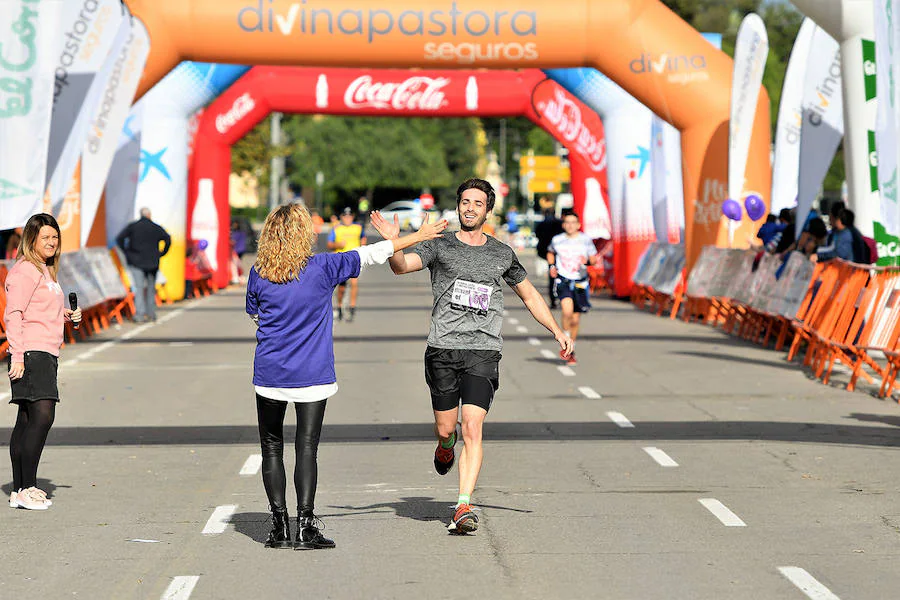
{"x": 140, "y": 242}
{"x": 545, "y": 231}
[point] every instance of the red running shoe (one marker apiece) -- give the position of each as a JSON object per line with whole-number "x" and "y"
{"x": 571, "y": 360}
{"x": 444, "y": 457}
{"x": 464, "y": 520}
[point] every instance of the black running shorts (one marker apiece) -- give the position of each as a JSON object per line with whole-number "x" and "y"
{"x": 578, "y": 291}
{"x": 461, "y": 376}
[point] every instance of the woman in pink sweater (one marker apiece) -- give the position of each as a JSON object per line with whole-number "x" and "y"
{"x": 34, "y": 318}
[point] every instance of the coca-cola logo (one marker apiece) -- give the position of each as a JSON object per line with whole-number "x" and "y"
{"x": 243, "y": 104}
{"x": 566, "y": 118}
{"x": 416, "y": 93}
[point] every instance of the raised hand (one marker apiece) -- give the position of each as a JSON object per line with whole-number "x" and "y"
{"x": 429, "y": 231}
{"x": 388, "y": 231}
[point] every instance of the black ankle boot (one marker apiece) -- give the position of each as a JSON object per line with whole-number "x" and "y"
{"x": 308, "y": 535}
{"x": 280, "y": 536}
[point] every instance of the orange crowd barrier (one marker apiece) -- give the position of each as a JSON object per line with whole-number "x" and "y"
{"x": 833, "y": 313}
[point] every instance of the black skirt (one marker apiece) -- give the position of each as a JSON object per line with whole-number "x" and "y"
{"x": 39, "y": 381}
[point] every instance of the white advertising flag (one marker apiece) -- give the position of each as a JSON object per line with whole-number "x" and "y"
{"x": 31, "y": 35}
{"x": 786, "y": 168}
{"x": 750, "y": 52}
{"x": 823, "y": 119}
{"x": 887, "y": 134}
{"x": 108, "y": 120}
{"x": 658, "y": 188}
{"x": 124, "y": 174}
{"x": 93, "y": 33}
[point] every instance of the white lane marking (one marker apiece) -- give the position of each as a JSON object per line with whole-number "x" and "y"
{"x": 143, "y": 541}
{"x": 722, "y": 512}
{"x": 252, "y": 465}
{"x": 547, "y": 354}
{"x": 808, "y": 584}
{"x": 534, "y": 341}
{"x": 663, "y": 459}
{"x": 180, "y": 344}
{"x": 566, "y": 371}
{"x": 137, "y": 331}
{"x": 589, "y": 393}
{"x": 505, "y": 312}
{"x": 219, "y": 519}
{"x": 181, "y": 587}
{"x": 513, "y": 321}
{"x": 521, "y": 329}
{"x": 619, "y": 419}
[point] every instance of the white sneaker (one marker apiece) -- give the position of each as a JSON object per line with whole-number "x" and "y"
{"x": 43, "y": 496}
{"x": 13, "y": 503}
{"x": 31, "y": 500}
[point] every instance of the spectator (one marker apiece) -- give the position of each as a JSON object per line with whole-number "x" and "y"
{"x": 768, "y": 230}
{"x": 785, "y": 235}
{"x": 815, "y": 235}
{"x": 841, "y": 239}
{"x": 239, "y": 239}
{"x": 545, "y": 231}
{"x": 140, "y": 241}
{"x": 512, "y": 221}
{"x": 12, "y": 245}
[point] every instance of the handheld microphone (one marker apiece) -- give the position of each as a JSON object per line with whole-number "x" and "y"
{"x": 73, "y": 304}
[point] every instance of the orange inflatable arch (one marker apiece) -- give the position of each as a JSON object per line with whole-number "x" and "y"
{"x": 640, "y": 44}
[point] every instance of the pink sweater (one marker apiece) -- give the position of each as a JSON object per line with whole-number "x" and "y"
{"x": 34, "y": 316}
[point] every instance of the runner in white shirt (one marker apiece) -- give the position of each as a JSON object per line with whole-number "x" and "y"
{"x": 569, "y": 255}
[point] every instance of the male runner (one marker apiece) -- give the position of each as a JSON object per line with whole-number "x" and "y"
{"x": 568, "y": 256}
{"x": 346, "y": 236}
{"x": 462, "y": 359}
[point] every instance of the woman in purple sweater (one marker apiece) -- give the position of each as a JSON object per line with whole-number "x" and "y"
{"x": 289, "y": 293}
{"x": 34, "y": 318}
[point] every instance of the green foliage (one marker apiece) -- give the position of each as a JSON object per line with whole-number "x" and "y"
{"x": 358, "y": 155}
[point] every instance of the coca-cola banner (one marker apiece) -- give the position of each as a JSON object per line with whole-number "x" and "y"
{"x": 399, "y": 93}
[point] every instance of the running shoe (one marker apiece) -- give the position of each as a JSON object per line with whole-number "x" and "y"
{"x": 340, "y": 314}
{"x": 444, "y": 457}
{"x": 464, "y": 520}
{"x": 13, "y": 503}
{"x": 352, "y": 314}
{"x": 571, "y": 360}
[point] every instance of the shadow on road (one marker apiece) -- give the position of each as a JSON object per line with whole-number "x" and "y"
{"x": 418, "y": 508}
{"x": 44, "y": 484}
{"x": 812, "y": 433}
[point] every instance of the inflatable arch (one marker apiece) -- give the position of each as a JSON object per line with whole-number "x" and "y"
{"x": 640, "y": 44}
{"x": 394, "y": 93}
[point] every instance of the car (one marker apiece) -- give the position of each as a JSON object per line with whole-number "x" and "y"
{"x": 408, "y": 212}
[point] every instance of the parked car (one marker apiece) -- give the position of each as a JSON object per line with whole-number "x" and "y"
{"x": 408, "y": 212}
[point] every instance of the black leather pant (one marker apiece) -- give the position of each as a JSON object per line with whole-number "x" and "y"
{"x": 271, "y": 437}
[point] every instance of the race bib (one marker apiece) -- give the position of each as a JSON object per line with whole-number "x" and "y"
{"x": 471, "y": 297}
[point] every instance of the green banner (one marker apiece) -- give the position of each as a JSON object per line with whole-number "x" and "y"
{"x": 873, "y": 163}
{"x": 888, "y": 247}
{"x": 868, "y": 52}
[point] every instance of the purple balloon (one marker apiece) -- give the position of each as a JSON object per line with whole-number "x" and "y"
{"x": 756, "y": 208}
{"x": 731, "y": 208}
{"x": 203, "y": 244}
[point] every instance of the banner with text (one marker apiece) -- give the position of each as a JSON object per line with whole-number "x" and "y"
{"x": 823, "y": 119}
{"x": 887, "y": 125}
{"x": 31, "y": 39}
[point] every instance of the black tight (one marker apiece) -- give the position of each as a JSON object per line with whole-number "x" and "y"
{"x": 271, "y": 437}
{"x": 27, "y": 441}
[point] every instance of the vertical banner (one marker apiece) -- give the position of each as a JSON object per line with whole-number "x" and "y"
{"x": 124, "y": 173}
{"x": 674, "y": 183}
{"x": 659, "y": 190}
{"x": 30, "y": 33}
{"x": 786, "y": 168}
{"x": 108, "y": 120}
{"x": 823, "y": 119}
{"x": 887, "y": 134}
{"x": 750, "y": 52}
{"x": 94, "y": 31}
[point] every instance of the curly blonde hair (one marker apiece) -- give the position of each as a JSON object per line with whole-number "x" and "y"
{"x": 285, "y": 244}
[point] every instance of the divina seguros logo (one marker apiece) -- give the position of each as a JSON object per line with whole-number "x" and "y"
{"x": 502, "y": 30}
{"x": 677, "y": 69}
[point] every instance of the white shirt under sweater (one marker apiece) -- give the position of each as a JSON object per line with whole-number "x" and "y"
{"x": 371, "y": 254}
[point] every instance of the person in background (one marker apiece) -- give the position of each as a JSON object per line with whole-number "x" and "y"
{"x": 347, "y": 235}
{"x": 545, "y": 231}
{"x": 140, "y": 241}
{"x": 841, "y": 241}
{"x": 512, "y": 222}
{"x": 785, "y": 235}
{"x": 362, "y": 209}
{"x": 34, "y": 319}
{"x": 768, "y": 230}
{"x": 239, "y": 239}
{"x": 289, "y": 298}
{"x": 12, "y": 245}
{"x": 317, "y": 221}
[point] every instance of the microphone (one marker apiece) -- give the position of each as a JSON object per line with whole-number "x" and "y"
{"x": 73, "y": 304}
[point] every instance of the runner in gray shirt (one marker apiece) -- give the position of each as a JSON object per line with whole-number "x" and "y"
{"x": 462, "y": 359}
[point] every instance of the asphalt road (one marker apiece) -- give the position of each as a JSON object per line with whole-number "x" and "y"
{"x": 672, "y": 462}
